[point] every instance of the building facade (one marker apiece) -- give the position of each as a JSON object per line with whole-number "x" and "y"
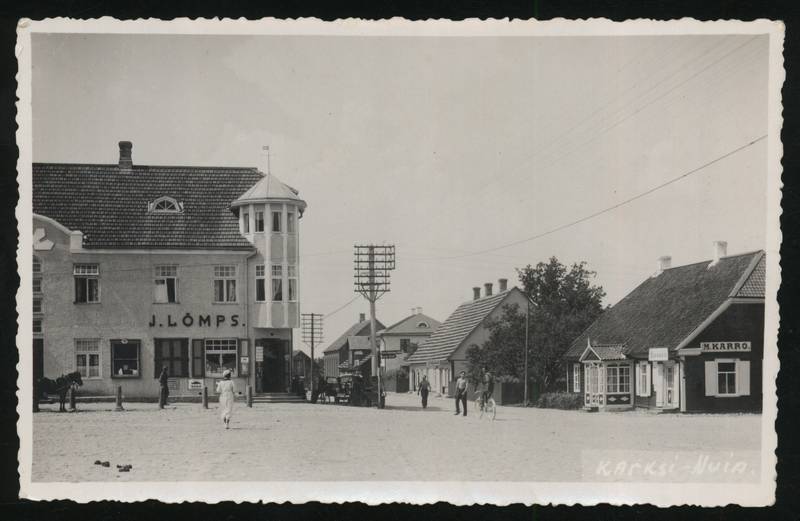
{"x": 350, "y": 348}
{"x": 142, "y": 267}
{"x": 399, "y": 341}
{"x": 444, "y": 355}
{"x": 688, "y": 339}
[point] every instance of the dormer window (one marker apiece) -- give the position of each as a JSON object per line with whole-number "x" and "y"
{"x": 165, "y": 205}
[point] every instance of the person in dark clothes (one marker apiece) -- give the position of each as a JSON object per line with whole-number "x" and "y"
{"x": 488, "y": 386}
{"x": 461, "y": 393}
{"x": 424, "y": 389}
{"x": 163, "y": 380}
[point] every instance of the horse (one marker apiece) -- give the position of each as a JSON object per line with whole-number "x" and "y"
{"x": 59, "y": 386}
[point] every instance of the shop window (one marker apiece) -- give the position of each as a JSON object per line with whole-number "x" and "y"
{"x": 220, "y": 354}
{"x": 261, "y": 284}
{"x": 172, "y": 353}
{"x": 246, "y": 222}
{"x": 224, "y": 284}
{"x": 125, "y": 358}
{"x": 292, "y": 282}
{"x": 277, "y": 283}
{"x": 87, "y": 357}
{"x": 290, "y": 222}
{"x": 276, "y": 222}
{"x": 618, "y": 379}
{"x": 87, "y": 283}
{"x": 576, "y": 378}
{"x": 166, "y": 284}
{"x": 259, "y": 221}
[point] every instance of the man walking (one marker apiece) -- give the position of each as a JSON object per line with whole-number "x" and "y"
{"x": 461, "y": 393}
{"x": 424, "y": 389}
{"x": 163, "y": 381}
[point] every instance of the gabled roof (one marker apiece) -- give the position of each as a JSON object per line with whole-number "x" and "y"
{"x": 603, "y": 352}
{"x": 298, "y": 352}
{"x": 109, "y": 204}
{"x": 665, "y": 309}
{"x": 454, "y": 331}
{"x": 357, "y": 329}
{"x": 411, "y": 326}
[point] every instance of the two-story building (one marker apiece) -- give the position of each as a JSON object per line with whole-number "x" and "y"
{"x": 400, "y": 340}
{"x": 141, "y": 267}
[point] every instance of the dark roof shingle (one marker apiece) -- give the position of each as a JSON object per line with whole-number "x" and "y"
{"x": 357, "y": 329}
{"x": 110, "y": 205}
{"x": 663, "y": 310}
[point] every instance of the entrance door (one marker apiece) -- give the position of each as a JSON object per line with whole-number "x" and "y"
{"x": 592, "y": 396}
{"x": 38, "y": 359}
{"x": 665, "y": 384}
{"x": 274, "y": 368}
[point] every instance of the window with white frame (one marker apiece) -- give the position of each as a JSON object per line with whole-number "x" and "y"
{"x": 292, "y": 270}
{"x": 277, "y": 283}
{"x": 576, "y": 378}
{"x": 290, "y": 222}
{"x": 261, "y": 283}
{"x": 618, "y": 378}
{"x": 246, "y": 222}
{"x": 726, "y": 378}
{"x": 259, "y": 221}
{"x": 37, "y": 326}
{"x": 165, "y": 205}
{"x": 276, "y": 222}
{"x": 87, "y": 283}
{"x": 220, "y": 354}
{"x": 643, "y": 376}
{"x": 87, "y": 357}
{"x": 166, "y": 284}
{"x": 37, "y": 304}
{"x": 125, "y": 358}
{"x": 224, "y": 284}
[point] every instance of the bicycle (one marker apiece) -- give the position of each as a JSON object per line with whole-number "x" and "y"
{"x": 489, "y": 408}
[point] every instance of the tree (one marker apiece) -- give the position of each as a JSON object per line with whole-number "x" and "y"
{"x": 564, "y": 302}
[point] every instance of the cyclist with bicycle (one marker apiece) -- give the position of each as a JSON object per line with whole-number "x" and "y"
{"x": 488, "y": 386}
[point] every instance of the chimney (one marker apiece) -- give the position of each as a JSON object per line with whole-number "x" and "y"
{"x": 502, "y": 285}
{"x": 125, "y": 158}
{"x": 362, "y": 317}
{"x": 487, "y": 288}
{"x": 476, "y": 293}
{"x": 720, "y": 250}
{"x": 664, "y": 263}
{"x": 419, "y": 311}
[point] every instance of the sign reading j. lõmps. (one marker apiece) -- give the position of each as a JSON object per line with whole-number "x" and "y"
{"x": 714, "y": 347}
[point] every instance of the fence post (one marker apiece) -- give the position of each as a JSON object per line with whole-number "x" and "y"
{"x": 205, "y": 397}
{"x": 72, "y": 407}
{"x": 119, "y": 398}
{"x": 249, "y": 395}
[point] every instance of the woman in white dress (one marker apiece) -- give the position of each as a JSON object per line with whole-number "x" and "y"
{"x": 226, "y": 392}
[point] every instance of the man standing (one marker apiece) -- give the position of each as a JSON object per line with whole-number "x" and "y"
{"x": 163, "y": 380}
{"x": 424, "y": 389}
{"x": 461, "y": 392}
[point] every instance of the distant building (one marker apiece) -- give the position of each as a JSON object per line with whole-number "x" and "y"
{"x": 444, "y": 355}
{"x": 400, "y": 340}
{"x": 689, "y": 338}
{"x": 142, "y": 267}
{"x": 301, "y": 364}
{"x": 351, "y": 349}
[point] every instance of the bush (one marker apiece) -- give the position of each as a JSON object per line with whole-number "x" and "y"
{"x": 560, "y": 400}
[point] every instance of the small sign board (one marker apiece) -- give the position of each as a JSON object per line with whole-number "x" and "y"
{"x": 259, "y": 353}
{"x": 195, "y": 384}
{"x": 385, "y": 354}
{"x": 245, "y": 360}
{"x": 658, "y": 354}
{"x": 721, "y": 347}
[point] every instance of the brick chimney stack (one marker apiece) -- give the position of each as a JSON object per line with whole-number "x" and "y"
{"x": 488, "y": 289}
{"x": 502, "y": 285}
{"x": 125, "y": 156}
{"x": 476, "y": 293}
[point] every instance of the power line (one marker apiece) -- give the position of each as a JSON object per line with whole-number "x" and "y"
{"x": 610, "y": 208}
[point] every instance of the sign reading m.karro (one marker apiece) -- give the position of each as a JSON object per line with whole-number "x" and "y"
{"x": 724, "y": 346}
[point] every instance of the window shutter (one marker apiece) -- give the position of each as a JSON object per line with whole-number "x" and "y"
{"x": 711, "y": 378}
{"x": 743, "y": 377}
{"x": 649, "y": 368}
{"x": 198, "y": 362}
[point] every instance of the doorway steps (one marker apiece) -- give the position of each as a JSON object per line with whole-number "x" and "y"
{"x": 277, "y": 398}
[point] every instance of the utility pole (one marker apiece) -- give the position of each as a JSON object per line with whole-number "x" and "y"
{"x": 372, "y": 266}
{"x": 312, "y": 335}
{"x": 527, "y": 320}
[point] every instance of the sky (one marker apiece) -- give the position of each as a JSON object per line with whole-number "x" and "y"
{"x": 443, "y": 146}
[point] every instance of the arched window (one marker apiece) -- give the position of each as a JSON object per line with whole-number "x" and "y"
{"x": 423, "y": 325}
{"x": 165, "y": 205}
